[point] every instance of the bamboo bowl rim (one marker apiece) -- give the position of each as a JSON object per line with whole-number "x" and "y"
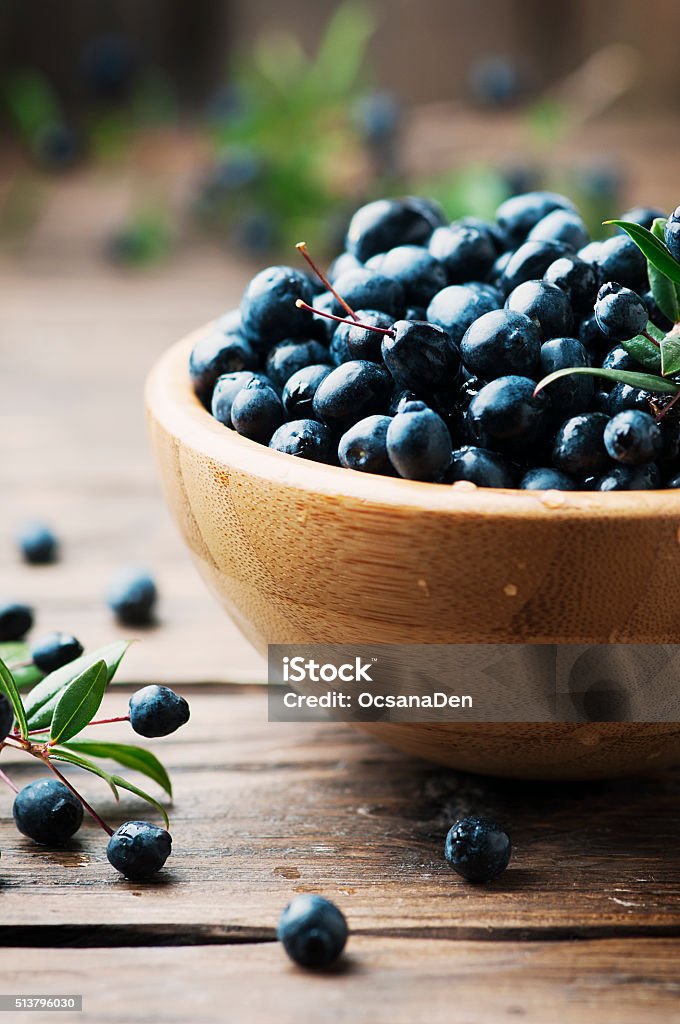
{"x": 171, "y": 401}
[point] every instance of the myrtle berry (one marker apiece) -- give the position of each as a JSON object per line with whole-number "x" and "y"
{"x": 519, "y": 214}
{"x": 139, "y": 849}
{"x": 544, "y": 478}
{"x": 575, "y": 392}
{"x": 618, "y": 359}
{"x": 157, "y": 711}
{"x": 418, "y": 443}
{"x": 501, "y": 342}
{"x": 487, "y": 227}
{"x": 351, "y": 391}
{"x": 420, "y": 275}
{"x": 561, "y": 226}
{"x": 299, "y": 390}
{"x": 623, "y": 396}
{"x": 215, "y": 354}
{"x": 369, "y": 289}
{"x": 357, "y": 341}
{"x": 466, "y": 253}
{"x": 364, "y": 446}
{"x": 54, "y": 650}
{"x": 47, "y": 812}
{"x": 579, "y": 446}
{"x": 313, "y": 931}
{"x": 38, "y": 544}
{"x": 226, "y": 390}
{"x": 481, "y": 467}
{"x": 530, "y": 262}
{"x": 671, "y": 234}
{"x": 632, "y": 437}
{"x": 546, "y": 304}
{"x": 620, "y": 313}
{"x": 477, "y": 849}
{"x": 419, "y": 355}
{"x": 6, "y": 717}
{"x": 345, "y": 261}
{"x": 507, "y": 409}
{"x": 132, "y": 596}
{"x": 289, "y": 356}
{"x": 305, "y": 438}
{"x": 457, "y": 307}
{"x": 256, "y": 411}
{"x": 15, "y": 620}
{"x": 268, "y": 308}
{"x": 386, "y": 223}
{"x": 577, "y": 279}
{"x": 621, "y": 260}
{"x": 645, "y": 477}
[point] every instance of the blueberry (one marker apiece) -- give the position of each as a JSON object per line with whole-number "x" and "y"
{"x": 139, "y": 849}
{"x": 54, "y": 650}
{"x": 577, "y": 279}
{"x": 477, "y": 849}
{"x": 420, "y": 275}
{"x": 6, "y": 717}
{"x": 215, "y": 354}
{"x": 356, "y": 341}
{"x": 313, "y": 931}
{"x": 579, "y": 446}
{"x": 506, "y": 409}
{"x": 132, "y": 596}
{"x": 621, "y": 260}
{"x": 305, "y": 438}
{"x": 226, "y": 390}
{"x": 257, "y": 412}
{"x": 671, "y": 234}
{"x": 620, "y": 312}
{"x": 368, "y": 289}
{"x": 481, "y": 467}
{"x": 466, "y": 253}
{"x": 530, "y": 262}
{"x": 15, "y": 620}
{"x": 570, "y": 394}
{"x": 420, "y": 356}
{"x": 633, "y": 437}
{"x": 546, "y": 479}
{"x": 287, "y": 357}
{"x": 618, "y": 359}
{"x": 38, "y": 544}
{"x": 47, "y": 812}
{"x": 364, "y": 446}
{"x": 631, "y": 478}
{"x": 561, "y": 226}
{"x": 546, "y": 304}
{"x": 418, "y": 443}
{"x": 268, "y": 308}
{"x": 351, "y": 391}
{"x": 299, "y": 390}
{"x": 623, "y": 396}
{"x": 386, "y": 223}
{"x": 501, "y": 342}
{"x": 157, "y": 711}
{"x": 519, "y": 214}
{"x": 456, "y": 308}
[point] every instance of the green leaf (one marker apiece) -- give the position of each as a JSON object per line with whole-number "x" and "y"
{"x": 652, "y": 248}
{"x": 670, "y": 355}
{"x": 43, "y": 698}
{"x": 666, "y": 293}
{"x": 644, "y": 351}
{"x": 61, "y": 754}
{"x": 124, "y": 784}
{"x": 9, "y": 688}
{"x": 129, "y": 756}
{"x": 79, "y": 702}
{"x": 17, "y": 657}
{"x": 647, "y": 381}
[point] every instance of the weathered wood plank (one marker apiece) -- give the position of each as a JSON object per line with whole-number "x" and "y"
{"x": 264, "y": 811}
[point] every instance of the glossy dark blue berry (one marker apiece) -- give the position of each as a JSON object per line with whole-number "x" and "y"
{"x": 256, "y": 412}
{"x": 620, "y": 312}
{"x": 299, "y": 390}
{"x": 579, "y": 445}
{"x": 506, "y": 409}
{"x": 132, "y": 596}
{"x": 386, "y": 223}
{"x": 305, "y": 438}
{"x": 544, "y": 478}
{"x": 623, "y": 396}
{"x": 352, "y": 391}
{"x": 633, "y": 437}
{"x": 501, "y": 342}
{"x": 530, "y": 262}
{"x": 38, "y": 543}
{"x": 215, "y": 354}
{"x": 477, "y": 849}
{"x": 54, "y": 650}
{"x": 456, "y": 308}
{"x": 618, "y": 359}
{"x": 481, "y": 467}
{"x": 268, "y": 310}
{"x": 419, "y": 443}
{"x": 358, "y": 342}
{"x": 546, "y": 304}
{"x": 577, "y": 279}
{"x": 489, "y": 228}
{"x": 289, "y": 356}
{"x": 561, "y": 226}
{"x": 139, "y": 849}
{"x": 227, "y": 388}
{"x": 157, "y": 711}
{"x": 621, "y": 260}
{"x": 345, "y": 261}
{"x": 519, "y": 214}
{"x": 569, "y": 394}
{"x": 419, "y": 355}
{"x": 47, "y": 812}
{"x": 671, "y": 234}
{"x": 646, "y": 477}
{"x": 592, "y": 338}
{"x": 313, "y": 931}
{"x": 364, "y": 446}
{"x": 418, "y": 273}
{"x": 15, "y": 620}
{"x": 466, "y": 253}
{"x": 369, "y": 289}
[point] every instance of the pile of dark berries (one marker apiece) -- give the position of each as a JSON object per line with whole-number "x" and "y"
{"x": 419, "y": 354}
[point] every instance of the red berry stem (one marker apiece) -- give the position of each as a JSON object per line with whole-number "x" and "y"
{"x": 650, "y": 338}
{"x": 670, "y": 405}
{"x": 302, "y": 249}
{"x": 6, "y": 779}
{"x": 100, "y": 821}
{"x": 301, "y": 304}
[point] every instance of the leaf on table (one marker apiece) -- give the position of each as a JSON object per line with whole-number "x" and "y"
{"x": 9, "y": 688}
{"x": 61, "y": 754}
{"x": 79, "y": 703}
{"x": 44, "y": 697}
{"x": 129, "y": 756}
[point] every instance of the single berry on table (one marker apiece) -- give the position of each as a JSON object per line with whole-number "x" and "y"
{"x": 38, "y": 544}
{"x": 47, "y": 812}
{"x": 139, "y": 849}
{"x": 157, "y": 711}
{"x": 15, "y": 620}
{"x": 313, "y": 931}
{"x": 55, "y": 650}
{"x": 477, "y": 849}
{"x": 132, "y": 596}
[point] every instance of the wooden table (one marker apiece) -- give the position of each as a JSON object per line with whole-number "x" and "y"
{"x": 584, "y": 926}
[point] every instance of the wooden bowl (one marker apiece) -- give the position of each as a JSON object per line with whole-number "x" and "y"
{"x": 300, "y": 552}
